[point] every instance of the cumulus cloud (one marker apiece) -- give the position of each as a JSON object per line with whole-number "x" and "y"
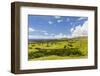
{"x": 72, "y": 29}
{"x": 45, "y": 33}
{"x": 34, "y": 37}
{"x": 50, "y": 22}
{"x": 40, "y": 37}
{"x": 59, "y": 21}
{"x": 81, "y": 18}
{"x": 47, "y": 36}
{"x": 31, "y": 29}
{"x": 57, "y": 17}
{"x": 60, "y": 35}
{"x": 80, "y": 30}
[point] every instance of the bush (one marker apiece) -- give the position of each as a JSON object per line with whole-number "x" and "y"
{"x": 58, "y": 52}
{"x": 32, "y": 55}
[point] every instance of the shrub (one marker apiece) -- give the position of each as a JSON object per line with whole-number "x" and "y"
{"x": 65, "y": 46}
{"x": 58, "y": 52}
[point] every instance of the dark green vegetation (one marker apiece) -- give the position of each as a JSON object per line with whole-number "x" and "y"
{"x": 58, "y": 49}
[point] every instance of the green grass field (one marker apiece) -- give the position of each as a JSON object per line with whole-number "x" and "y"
{"x": 57, "y": 49}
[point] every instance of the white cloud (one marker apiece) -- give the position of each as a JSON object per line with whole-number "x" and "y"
{"x": 81, "y": 18}
{"x": 59, "y": 21}
{"x": 72, "y": 29}
{"x": 57, "y": 17}
{"x": 60, "y": 35}
{"x": 50, "y": 22}
{"x": 40, "y": 37}
{"x": 31, "y": 29}
{"x": 80, "y": 30}
{"x": 45, "y": 33}
{"x": 69, "y": 36}
{"x": 51, "y": 36}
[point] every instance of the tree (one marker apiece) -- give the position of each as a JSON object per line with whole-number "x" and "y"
{"x": 64, "y": 46}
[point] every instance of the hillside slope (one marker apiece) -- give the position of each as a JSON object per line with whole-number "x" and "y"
{"x": 63, "y": 48}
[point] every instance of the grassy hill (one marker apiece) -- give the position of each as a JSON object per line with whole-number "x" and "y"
{"x": 54, "y": 49}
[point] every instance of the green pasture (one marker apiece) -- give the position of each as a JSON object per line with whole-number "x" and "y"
{"x": 56, "y": 49}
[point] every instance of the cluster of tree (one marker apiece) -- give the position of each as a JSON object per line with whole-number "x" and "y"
{"x": 58, "y": 52}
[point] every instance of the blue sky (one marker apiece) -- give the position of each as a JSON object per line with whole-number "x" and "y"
{"x": 44, "y": 27}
